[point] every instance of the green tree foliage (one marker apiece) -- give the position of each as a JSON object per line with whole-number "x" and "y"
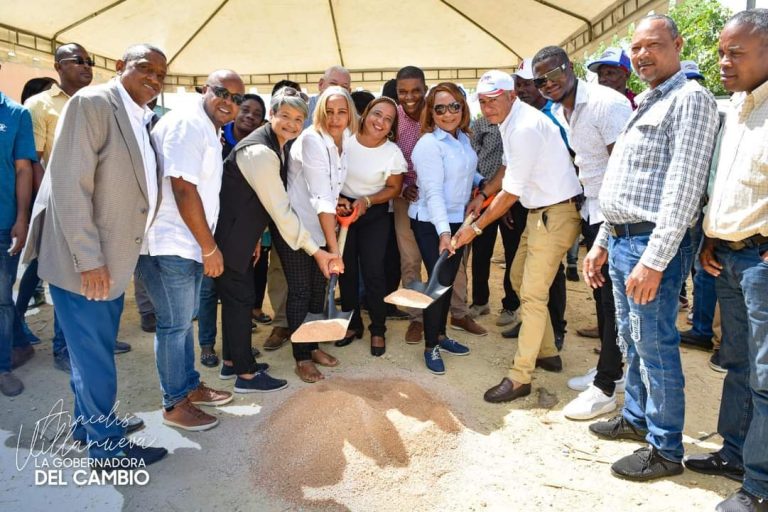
{"x": 700, "y": 23}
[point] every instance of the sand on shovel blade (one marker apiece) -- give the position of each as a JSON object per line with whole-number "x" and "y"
{"x": 409, "y": 299}
{"x": 320, "y": 330}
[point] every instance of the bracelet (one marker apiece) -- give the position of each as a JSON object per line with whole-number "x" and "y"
{"x": 368, "y": 202}
{"x": 215, "y": 248}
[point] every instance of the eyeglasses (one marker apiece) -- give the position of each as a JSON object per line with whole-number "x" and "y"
{"x": 551, "y": 76}
{"x": 290, "y": 91}
{"x": 223, "y": 93}
{"x": 453, "y": 108}
{"x": 79, "y": 61}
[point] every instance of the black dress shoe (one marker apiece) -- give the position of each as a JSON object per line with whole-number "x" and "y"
{"x": 714, "y": 464}
{"x": 148, "y": 322}
{"x": 550, "y": 364}
{"x": 645, "y": 464}
{"x": 512, "y": 333}
{"x": 378, "y": 351}
{"x": 742, "y": 501}
{"x": 343, "y": 342}
{"x": 132, "y": 423}
{"x": 505, "y": 392}
{"x": 617, "y": 428}
{"x": 691, "y": 340}
{"x": 122, "y": 347}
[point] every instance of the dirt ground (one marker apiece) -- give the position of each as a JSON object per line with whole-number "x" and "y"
{"x": 378, "y": 435}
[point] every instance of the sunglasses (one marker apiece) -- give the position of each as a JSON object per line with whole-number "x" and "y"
{"x": 551, "y": 76}
{"x": 79, "y": 61}
{"x": 453, "y": 108}
{"x": 290, "y": 91}
{"x": 223, "y": 93}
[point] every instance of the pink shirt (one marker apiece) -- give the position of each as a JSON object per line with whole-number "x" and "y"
{"x": 408, "y": 133}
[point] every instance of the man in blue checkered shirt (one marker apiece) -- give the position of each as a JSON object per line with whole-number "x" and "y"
{"x": 651, "y": 194}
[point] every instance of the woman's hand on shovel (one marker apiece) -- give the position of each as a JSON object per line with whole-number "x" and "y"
{"x": 329, "y": 263}
{"x": 445, "y": 244}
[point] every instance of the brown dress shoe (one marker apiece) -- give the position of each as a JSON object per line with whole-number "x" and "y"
{"x": 468, "y": 325}
{"x": 506, "y": 392}
{"x": 589, "y": 332}
{"x": 324, "y": 359}
{"x": 550, "y": 364}
{"x": 277, "y": 338}
{"x": 204, "y": 395}
{"x": 415, "y": 332}
{"x": 308, "y": 372}
{"x": 186, "y": 416}
{"x": 20, "y": 356}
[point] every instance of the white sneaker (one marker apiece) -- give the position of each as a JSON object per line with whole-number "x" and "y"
{"x": 582, "y": 382}
{"x": 507, "y": 317}
{"x": 479, "y": 310}
{"x": 590, "y": 403}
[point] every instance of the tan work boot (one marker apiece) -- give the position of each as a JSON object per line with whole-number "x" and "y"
{"x": 415, "y": 332}
{"x": 469, "y": 325}
{"x": 186, "y": 416}
{"x": 277, "y": 338}
{"x": 204, "y": 395}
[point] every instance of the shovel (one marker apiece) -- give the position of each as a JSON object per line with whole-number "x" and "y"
{"x": 421, "y": 295}
{"x": 331, "y": 325}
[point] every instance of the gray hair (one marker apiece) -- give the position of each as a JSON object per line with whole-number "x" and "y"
{"x": 295, "y": 101}
{"x": 137, "y": 51}
{"x": 756, "y": 18}
{"x": 669, "y": 22}
{"x": 335, "y": 69}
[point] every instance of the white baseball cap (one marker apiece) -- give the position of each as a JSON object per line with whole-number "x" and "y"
{"x": 525, "y": 69}
{"x": 493, "y": 83}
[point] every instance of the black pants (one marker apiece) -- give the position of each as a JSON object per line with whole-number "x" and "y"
{"x": 609, "y": 365}
{"x": 306, "y": 290}
{"x": 511, "y": 240}
{"x": 482, "y": 251}
{"x": 365, "y": 252}
{"x": 260, "y": 278}
{"x": 392, "y": 260}
{"x": 436, "y": 315}
{"x": 235, "y": 289}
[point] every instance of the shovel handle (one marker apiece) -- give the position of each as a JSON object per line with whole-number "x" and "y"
{"x": 467, "y": 221}
{"x": 331, "y": 294}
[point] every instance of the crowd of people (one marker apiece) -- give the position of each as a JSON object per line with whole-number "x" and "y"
{"x": 225, "y": 198}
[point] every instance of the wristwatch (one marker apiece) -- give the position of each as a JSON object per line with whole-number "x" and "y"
{"x": 476, "y": 229}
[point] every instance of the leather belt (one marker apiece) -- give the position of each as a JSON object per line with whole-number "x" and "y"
{"x": 753, "y": 241}
{"x": 574, "y": 200}
{"x": 638, "y": 228}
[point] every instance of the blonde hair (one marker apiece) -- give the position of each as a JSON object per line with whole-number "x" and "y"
{"x": 320, "y": 118}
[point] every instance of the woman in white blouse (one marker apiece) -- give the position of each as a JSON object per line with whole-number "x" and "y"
{"x": 445, "y": 165}
{"x": 375, "y": 167}
{"x": 316, "y": 174}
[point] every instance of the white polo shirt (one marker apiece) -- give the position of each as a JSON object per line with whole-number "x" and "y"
{"x": 539, "y": 168}
{"x": 188, "y": 147}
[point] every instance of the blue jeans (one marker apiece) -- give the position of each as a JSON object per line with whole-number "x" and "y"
{"x": 207, "y": 313}
{"x": 654, "y": 398}
{"x": 704, "y": 296}
{"x": 743, "y": 423}
{"x": 11, "y": 334}
{"x": 91, "y": 330}
{"x": 27, "y": 286}
{"x": 173, "y": 284}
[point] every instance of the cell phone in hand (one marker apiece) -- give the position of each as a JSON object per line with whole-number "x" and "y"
{"x": 13, "y": 244}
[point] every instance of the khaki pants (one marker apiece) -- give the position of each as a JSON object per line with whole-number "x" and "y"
{"x": 410, "y": 257}
{"x": 547, "y": 237}
{"x": 716, "y": 327}
{"x": 459, "y": 307}
{"x": 277, "y": 289}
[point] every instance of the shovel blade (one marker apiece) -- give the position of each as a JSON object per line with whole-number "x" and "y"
{"x": 322, "y": 327}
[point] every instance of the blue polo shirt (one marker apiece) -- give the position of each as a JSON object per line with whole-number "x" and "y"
{"x": 17, "y": 142}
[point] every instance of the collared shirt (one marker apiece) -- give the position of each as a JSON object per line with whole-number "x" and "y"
{"x": 738, "y": 206}
{"x": 187, "y": 144}
{"x": 539, "y": 169}
{"x": 599, "y": 114}
{"x": 547, "y": 111}
{"x": 659, "y": 166}
{"x": 486, "y": 141}
{"x": 446, "y": 167}
{"x": 261, "y": 169}
{"x": 140, "y": 118}
{"x": 46, "y": 109}
{"x": 408, "y": 133}
{"x": 631, "y": 96}
{"x": 16, "y": 143}
{"x": 316, "y": 173}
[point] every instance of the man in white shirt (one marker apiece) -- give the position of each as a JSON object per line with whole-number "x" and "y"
{"x": 540, "y": 174}
{"x": 180, "y": 248}
{"x": 593, "y": 117}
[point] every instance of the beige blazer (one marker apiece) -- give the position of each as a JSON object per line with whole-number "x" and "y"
{"x": 97, "y": 210}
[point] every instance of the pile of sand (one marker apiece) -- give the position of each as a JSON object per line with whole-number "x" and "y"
{"x": 409, "y": 299}
{"x": 391, "y": 422}
{"x": 321, "y": 330}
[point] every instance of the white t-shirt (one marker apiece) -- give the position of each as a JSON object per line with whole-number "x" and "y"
{"x": 188, "y": 147}
{"x": 369, "y": 168}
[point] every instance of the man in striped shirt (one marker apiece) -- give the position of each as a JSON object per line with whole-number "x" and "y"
{"x": 650, "y": 195}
